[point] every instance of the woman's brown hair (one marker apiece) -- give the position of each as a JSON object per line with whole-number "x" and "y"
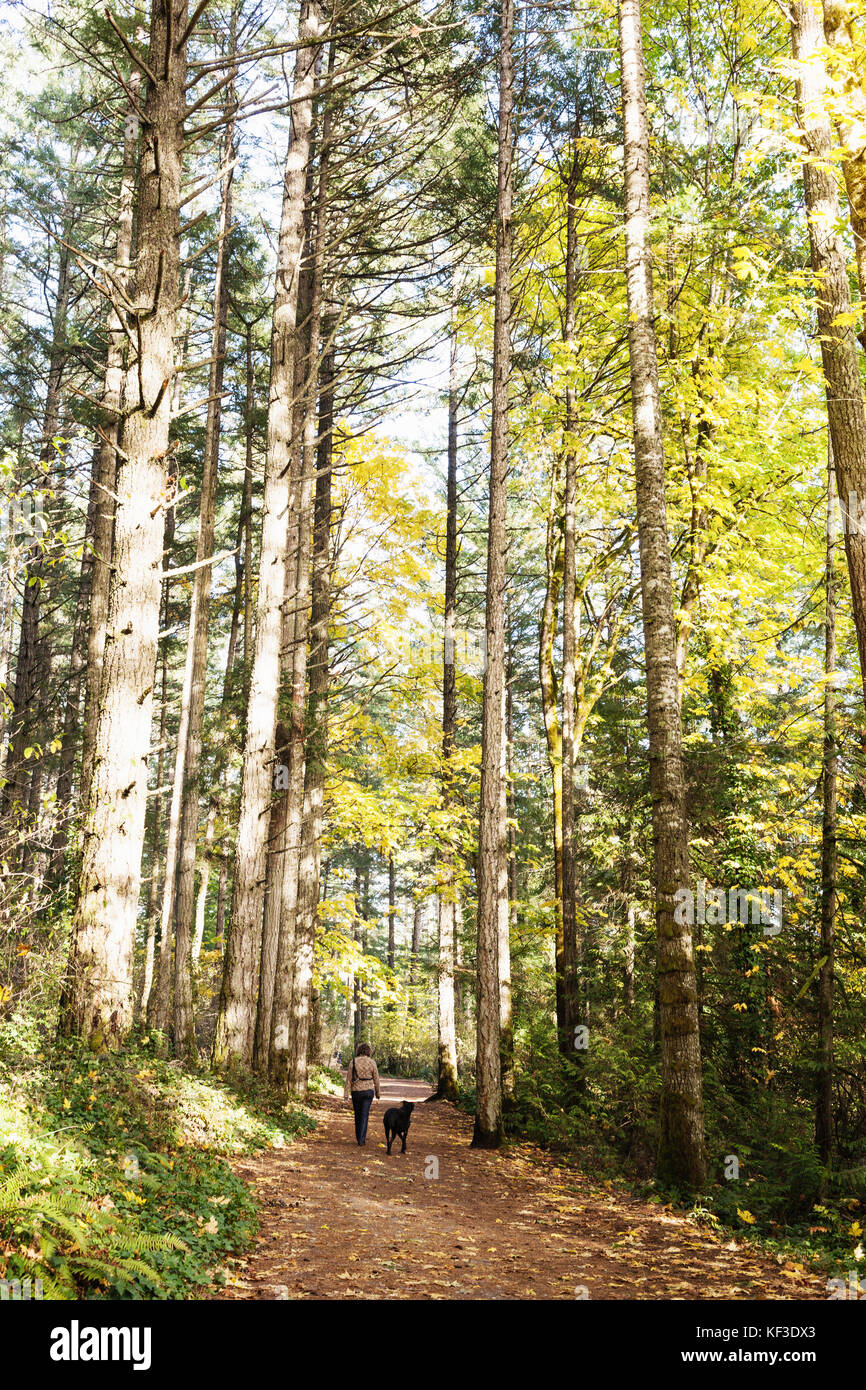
{"x": 364, "y": 1050}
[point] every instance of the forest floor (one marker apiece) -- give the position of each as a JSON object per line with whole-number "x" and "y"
{"x": 339, "y": 1221}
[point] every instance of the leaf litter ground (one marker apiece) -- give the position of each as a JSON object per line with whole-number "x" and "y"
{"x": 339, "y": 1221}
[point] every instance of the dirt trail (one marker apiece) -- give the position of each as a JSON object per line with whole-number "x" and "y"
{"x": 339, "y": 1221}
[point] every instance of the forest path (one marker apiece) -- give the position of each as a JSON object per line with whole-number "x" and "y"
{"x": 343, "y": 1222}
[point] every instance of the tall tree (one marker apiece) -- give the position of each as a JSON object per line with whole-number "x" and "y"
{"x": 824, "y": 1097}
{"x": 492, "y": 828}
{"x": 189, "y": 747}
{"x": 839, "y": 352}
{"x": 569, "y": 635}
{"x": 681, "y": 1145}
{"x": 105, "y": 471}
{"x": 392, "y": 909}
{"x": 98, "y": 996}
{"x": 289, "y": 1065}
{"x": 446, "y": 1087}
{"x": 547, "y": 632}
{"x": 849, "y": 83}
{"x": 305, "y": 737}
{"x": 316, "y": 740}
{"x": 235, "y": 1030}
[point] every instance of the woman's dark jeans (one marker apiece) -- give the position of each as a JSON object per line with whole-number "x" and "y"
{"x": 362, "y": 1100}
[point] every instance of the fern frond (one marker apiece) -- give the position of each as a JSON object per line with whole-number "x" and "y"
{"x": 145, "y": 1242}
{"x": 93, "y": 1266}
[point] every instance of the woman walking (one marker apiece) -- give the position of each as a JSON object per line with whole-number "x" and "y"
{"x": 362, "y": 1083}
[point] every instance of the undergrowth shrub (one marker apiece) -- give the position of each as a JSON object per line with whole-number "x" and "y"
{"x": 114, "y": 1179}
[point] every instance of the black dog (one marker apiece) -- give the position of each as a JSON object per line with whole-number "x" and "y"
{"x": 397, "y": 1121}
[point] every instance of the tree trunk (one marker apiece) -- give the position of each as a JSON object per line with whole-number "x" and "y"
{"x": 278, "y": 943}
{"x": 291, "y": 1017}
{"x": 71, "y": 713}
{"x": 506, "y": 1024}
{"x": 7, "y": 613}
{"x": 241, "y": 605}
{"x": 628, "y": 972}
{"x": 314, "y": 1044}
{"x": 156, "y": 994}
{"x": 447, "y": 1088}
{"x": 160, "y": 1006}
{"x": 316, "y": 742}
{"x": 153, "y": 896}
{"x": 195, "y": 672}
{"x": 356, "y": 984}
{"x": 392, "y": 910}
{"x": 98, "y": 999}
{"x": 277, "y": 867}
{"x": 627, "y": 875}
{"x": 235, "y": 1030}
{"x": 274, "y": 870}
{"x": 492, "y": 837}
{"x": 204, "y": 881}
{"x": 417, "y": 923}
{"x": 839, "y": 354}
{"x": 824, "y": 1098}
{"x": 105, "y": 474}
{"x": 222, "y": 897}
{"x": 681, "y": 1147}
{"x": 571, "y": 1003}
{"x": 839, "y": 31}
{"x": 553, "y": 731}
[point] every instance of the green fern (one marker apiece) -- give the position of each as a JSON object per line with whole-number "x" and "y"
{"x": 85, "y": 1244}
